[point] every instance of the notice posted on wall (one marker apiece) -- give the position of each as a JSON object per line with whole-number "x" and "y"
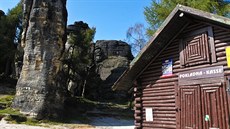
{"x": 149, "y": 114}
{"x": 227, "y": 49}
{"x": 167, "y": 68}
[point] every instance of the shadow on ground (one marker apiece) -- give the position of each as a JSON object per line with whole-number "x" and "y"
{"x": 109, "y": 121}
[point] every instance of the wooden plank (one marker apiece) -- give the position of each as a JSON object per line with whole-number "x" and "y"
{"x": 158, "y": 86}
{"x": 170, "y": 90}
{"x": 165, "y": 119}
{"x": 159, "y": 101}
{"x": 212, "y": 45}
{"x": 159, "y": 93}
{"x": 158, "y": 126}
{"x": 163, "y": 112}
{"x": 222, "y": 35}
{"x": 223, "y": 40}
{"x": 220, "y": 108}
{"x": 182, "y": 62}
{"x": 178, "y": 108}
{"x": 157, "y": 80}
{"x": 218, "y": 45}
{"x": 158, "y": 97}
{"x": 225, "y": 103}
{"x": 159, "y": 105}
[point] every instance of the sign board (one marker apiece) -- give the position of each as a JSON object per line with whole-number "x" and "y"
{"x": 167, "y": 68}
{"x": 227, "y": 50}
{"x": 199, "y": 76}
{"x": 149, "y": 114}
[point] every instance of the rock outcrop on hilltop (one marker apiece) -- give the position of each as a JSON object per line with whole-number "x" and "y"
{"x": 2, "y": 13}
{"x": 39, "y": 90}
{"x": 112, "y": 58}
{"x": 113, "y": 48}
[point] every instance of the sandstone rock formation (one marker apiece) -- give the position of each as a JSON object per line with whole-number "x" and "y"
{"x": 112, "y": 48}
{"x": 113, "y": 57}
{"x": 39, "y": 91}
{"x": 1, "y": 13}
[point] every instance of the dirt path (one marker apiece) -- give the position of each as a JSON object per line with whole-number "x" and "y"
{"x": 97, "y": 123}
{"x": 5, "y": 125}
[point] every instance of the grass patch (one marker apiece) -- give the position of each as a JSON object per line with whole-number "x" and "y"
{"x": 16, "y": 118}
{"x": 79, "y": 109}
{"x": 76, "y": 110}
{"x": 5, "y": 103}
{"x": 10, "y": 114}
{"x": 79, "y": 101}
{"x": 6, "y": 100}
{"x": 32, "y": 122}
{"x": 76, "y": 107}
{"x": 9, "y": 111}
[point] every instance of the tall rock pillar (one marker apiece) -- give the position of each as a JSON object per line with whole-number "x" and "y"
{"x": 39, "y": 90}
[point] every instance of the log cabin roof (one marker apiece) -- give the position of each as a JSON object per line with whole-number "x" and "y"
{"x": 178, "y": 19}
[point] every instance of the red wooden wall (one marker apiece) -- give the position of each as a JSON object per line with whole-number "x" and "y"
{"x": 161, "y": 93}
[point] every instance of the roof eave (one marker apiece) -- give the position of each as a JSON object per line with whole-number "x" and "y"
{"x": 129, "y": 75}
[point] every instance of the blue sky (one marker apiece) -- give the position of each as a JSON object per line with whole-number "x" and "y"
{"x": 111, "y": 18}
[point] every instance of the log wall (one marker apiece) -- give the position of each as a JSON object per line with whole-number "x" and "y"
{"x": 158, "y": 92}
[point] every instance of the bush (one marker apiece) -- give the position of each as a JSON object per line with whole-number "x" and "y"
{"x": 16, "y": 118}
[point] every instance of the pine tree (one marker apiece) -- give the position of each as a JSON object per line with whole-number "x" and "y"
{"x": 78, "y": 56}
{"x": 10, "y": 33}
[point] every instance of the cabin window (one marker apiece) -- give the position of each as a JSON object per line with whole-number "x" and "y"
{"x": 197, "y": 47}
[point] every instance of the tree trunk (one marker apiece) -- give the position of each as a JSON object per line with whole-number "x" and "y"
{"x": 83, "y": 89}
{"x": 7, "y": 67}
{"x": 41, "y": 87}
{"x": 84, "y": 83}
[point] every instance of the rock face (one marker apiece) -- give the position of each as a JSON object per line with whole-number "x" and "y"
{"x": 112, "y": 57}
{"x": 112, "y": 48}
{"x": 2, "y": 13}
{"x": 39, "y": 91}
{"x": 114, "y": 65}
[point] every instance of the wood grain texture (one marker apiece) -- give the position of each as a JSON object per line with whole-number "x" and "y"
{"x": 163, "y": 95}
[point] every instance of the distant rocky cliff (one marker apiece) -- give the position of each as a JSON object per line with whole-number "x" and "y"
{"x": 112, "y": 58}
{"x": 109, "y": 60}
{"x": 114, "y": 48}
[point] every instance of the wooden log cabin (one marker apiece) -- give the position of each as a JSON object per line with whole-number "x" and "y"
{"x": 181, "y": 77}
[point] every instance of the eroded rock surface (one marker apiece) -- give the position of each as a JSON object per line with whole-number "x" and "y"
{"x": 113, "y": 57}
{"x": 113, "y": 48}
{"x": 39, "y": 90}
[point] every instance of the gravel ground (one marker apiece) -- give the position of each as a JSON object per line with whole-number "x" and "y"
{"x": 112, "y": 123}
{"x": 15, "y": 126}
{"x": 97, "y": 122}
{"x": 5, "y": 125}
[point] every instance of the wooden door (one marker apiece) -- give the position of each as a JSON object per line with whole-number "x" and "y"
{"x": 214, "y": 106}
{"x": 202, "y": 107}
{"x": 189, "y": 113}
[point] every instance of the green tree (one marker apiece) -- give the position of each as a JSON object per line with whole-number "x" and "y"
{"x": 10, "y": 33}
{"x": 78, "y": 58}
{"x": 157, "y": 12}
